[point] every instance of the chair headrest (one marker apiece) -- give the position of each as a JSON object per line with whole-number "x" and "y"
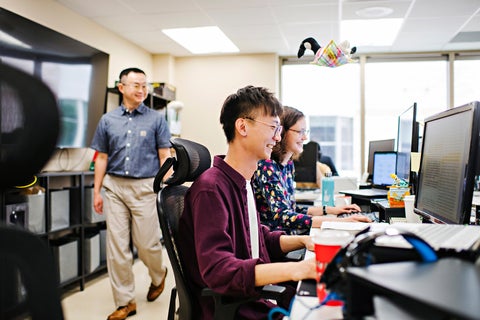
{"x": 191, "y": 160}
{"x": 29, "y": 126}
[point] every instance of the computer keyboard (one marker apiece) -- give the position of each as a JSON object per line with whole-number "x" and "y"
{"x": 374, "y": 215}
{"x": 450, "y": 237}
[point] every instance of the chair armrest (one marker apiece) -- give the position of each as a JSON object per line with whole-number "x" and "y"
{"x": 296, "y": 255}
{"x": 226, "y": 306}
{"x": 272, "y": 292}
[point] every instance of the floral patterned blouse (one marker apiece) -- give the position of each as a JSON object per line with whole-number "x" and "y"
{"x": 274, "y": 193}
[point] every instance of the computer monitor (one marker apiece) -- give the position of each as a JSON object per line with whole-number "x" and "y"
{"x": 407, "y": 141}
{"x": 450, "y": 156}
{"x": 306, "y": 167}
{"x": 378, "y": 145}
{"x": 384, "y": 163}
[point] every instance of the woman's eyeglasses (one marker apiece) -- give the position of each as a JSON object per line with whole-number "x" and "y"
{"x": 302, "y": 132}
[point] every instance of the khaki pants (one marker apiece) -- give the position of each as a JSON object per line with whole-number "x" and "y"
{"x": 130, "y": 208}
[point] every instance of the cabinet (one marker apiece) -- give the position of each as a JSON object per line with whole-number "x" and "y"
{"x": 63, "y": 216}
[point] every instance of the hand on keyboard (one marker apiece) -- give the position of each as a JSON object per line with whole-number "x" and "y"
{"x": 360, "y": 217}
{"x": 352, "y": 208}
{"x": 352, "y": 217}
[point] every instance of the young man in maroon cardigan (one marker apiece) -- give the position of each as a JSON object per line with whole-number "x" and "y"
{"x": 222, "y": 243}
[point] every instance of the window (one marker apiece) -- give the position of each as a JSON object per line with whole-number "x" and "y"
{"x": 466, "y": 70}
{"x": 330, "y": 99}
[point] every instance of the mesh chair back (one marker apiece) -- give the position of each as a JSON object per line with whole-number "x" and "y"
{"x": 29, "y": 126}
{"x": 29, "y": 283}
{"x": 192, "y": 159}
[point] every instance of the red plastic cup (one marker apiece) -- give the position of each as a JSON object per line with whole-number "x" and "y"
{"x": 327, "y": 244}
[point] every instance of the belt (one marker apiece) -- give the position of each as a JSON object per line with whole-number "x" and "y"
{"x": 128, "y": 177}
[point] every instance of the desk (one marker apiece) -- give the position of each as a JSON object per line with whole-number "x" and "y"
{"x": 447, "y": 289}
{"x": 364, "y": 197}
{"x": 309, "y": 197}
{"x": 301, "y": 310}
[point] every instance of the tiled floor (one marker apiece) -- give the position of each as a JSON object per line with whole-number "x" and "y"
{"x": 96, "y": 301}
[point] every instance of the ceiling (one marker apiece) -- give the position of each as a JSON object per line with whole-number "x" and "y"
{"x": 279, "y": 26}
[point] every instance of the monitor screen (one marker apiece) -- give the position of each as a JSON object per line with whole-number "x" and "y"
{"x": 384, "y": 164}
{"x": 407, "y": 141}
{"x": 306, "y": 166}
{"x": 378, "y": 145}
{"x": 448, "y": 165}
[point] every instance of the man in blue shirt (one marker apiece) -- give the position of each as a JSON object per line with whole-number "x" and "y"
{"x": 132, "y": 142}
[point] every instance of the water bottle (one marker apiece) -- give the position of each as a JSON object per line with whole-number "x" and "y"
{"x": 328, "y": 190}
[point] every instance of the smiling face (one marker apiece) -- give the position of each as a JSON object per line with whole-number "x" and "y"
{"x": 134, "y": 88}
{"x": 295, "y": 137}
{"x": 265, "y": 129}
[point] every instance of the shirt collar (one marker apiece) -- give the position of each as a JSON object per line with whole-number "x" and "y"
{"x": 238, "y": 179}
{"x": 140, "y": 109}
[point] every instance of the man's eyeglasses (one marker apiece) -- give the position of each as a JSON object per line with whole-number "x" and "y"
{"x": 302, "y": 132}
{"x": 277, "y": 129}
{"x": 137, "y": 86}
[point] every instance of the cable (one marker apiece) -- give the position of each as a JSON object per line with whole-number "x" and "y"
{"x": 35, "y": 179}
{"x": 277, "y": 310}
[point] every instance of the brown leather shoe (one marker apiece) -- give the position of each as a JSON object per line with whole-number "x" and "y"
{"x": 123, "y": 312}
{"x": 155, "y": 291}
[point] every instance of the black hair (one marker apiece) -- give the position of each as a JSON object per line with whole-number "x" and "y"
{"x": 289, "y": 117}
{"x": 125, "y": 72}
{"x": 245, "y": 103}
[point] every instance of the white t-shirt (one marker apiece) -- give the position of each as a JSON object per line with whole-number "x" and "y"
{"x": 252, "y": 218}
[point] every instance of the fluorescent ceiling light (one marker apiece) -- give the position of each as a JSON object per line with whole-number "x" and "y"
{"x": 371, "y": 32}
{"x": 5, "y": 37}
{"x": 202, "y": 40}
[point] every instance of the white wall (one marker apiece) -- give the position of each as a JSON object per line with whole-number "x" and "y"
{"x": 202, "y": 83}
{"x": 51, "y": 14}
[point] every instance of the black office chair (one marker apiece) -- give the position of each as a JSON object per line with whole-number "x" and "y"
{"x": 192, "y": 159}
{"x": 30, "y": 285}
{"x": 29, "y": 125}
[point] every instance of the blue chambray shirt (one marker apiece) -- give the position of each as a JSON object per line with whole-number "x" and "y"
{"x": 132, "y": 141}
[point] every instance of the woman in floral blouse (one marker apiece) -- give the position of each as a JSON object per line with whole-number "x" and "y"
{"x": 274, "y": 189}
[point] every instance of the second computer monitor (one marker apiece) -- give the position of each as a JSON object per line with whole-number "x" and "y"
{"x": 407, "y": 141}
{"x": 384, "y": 164}
{"x": 378, "y": 145}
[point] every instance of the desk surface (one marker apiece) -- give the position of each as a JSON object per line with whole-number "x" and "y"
{"x": 366, "y": 193}
{"x": 449, "y": 286}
